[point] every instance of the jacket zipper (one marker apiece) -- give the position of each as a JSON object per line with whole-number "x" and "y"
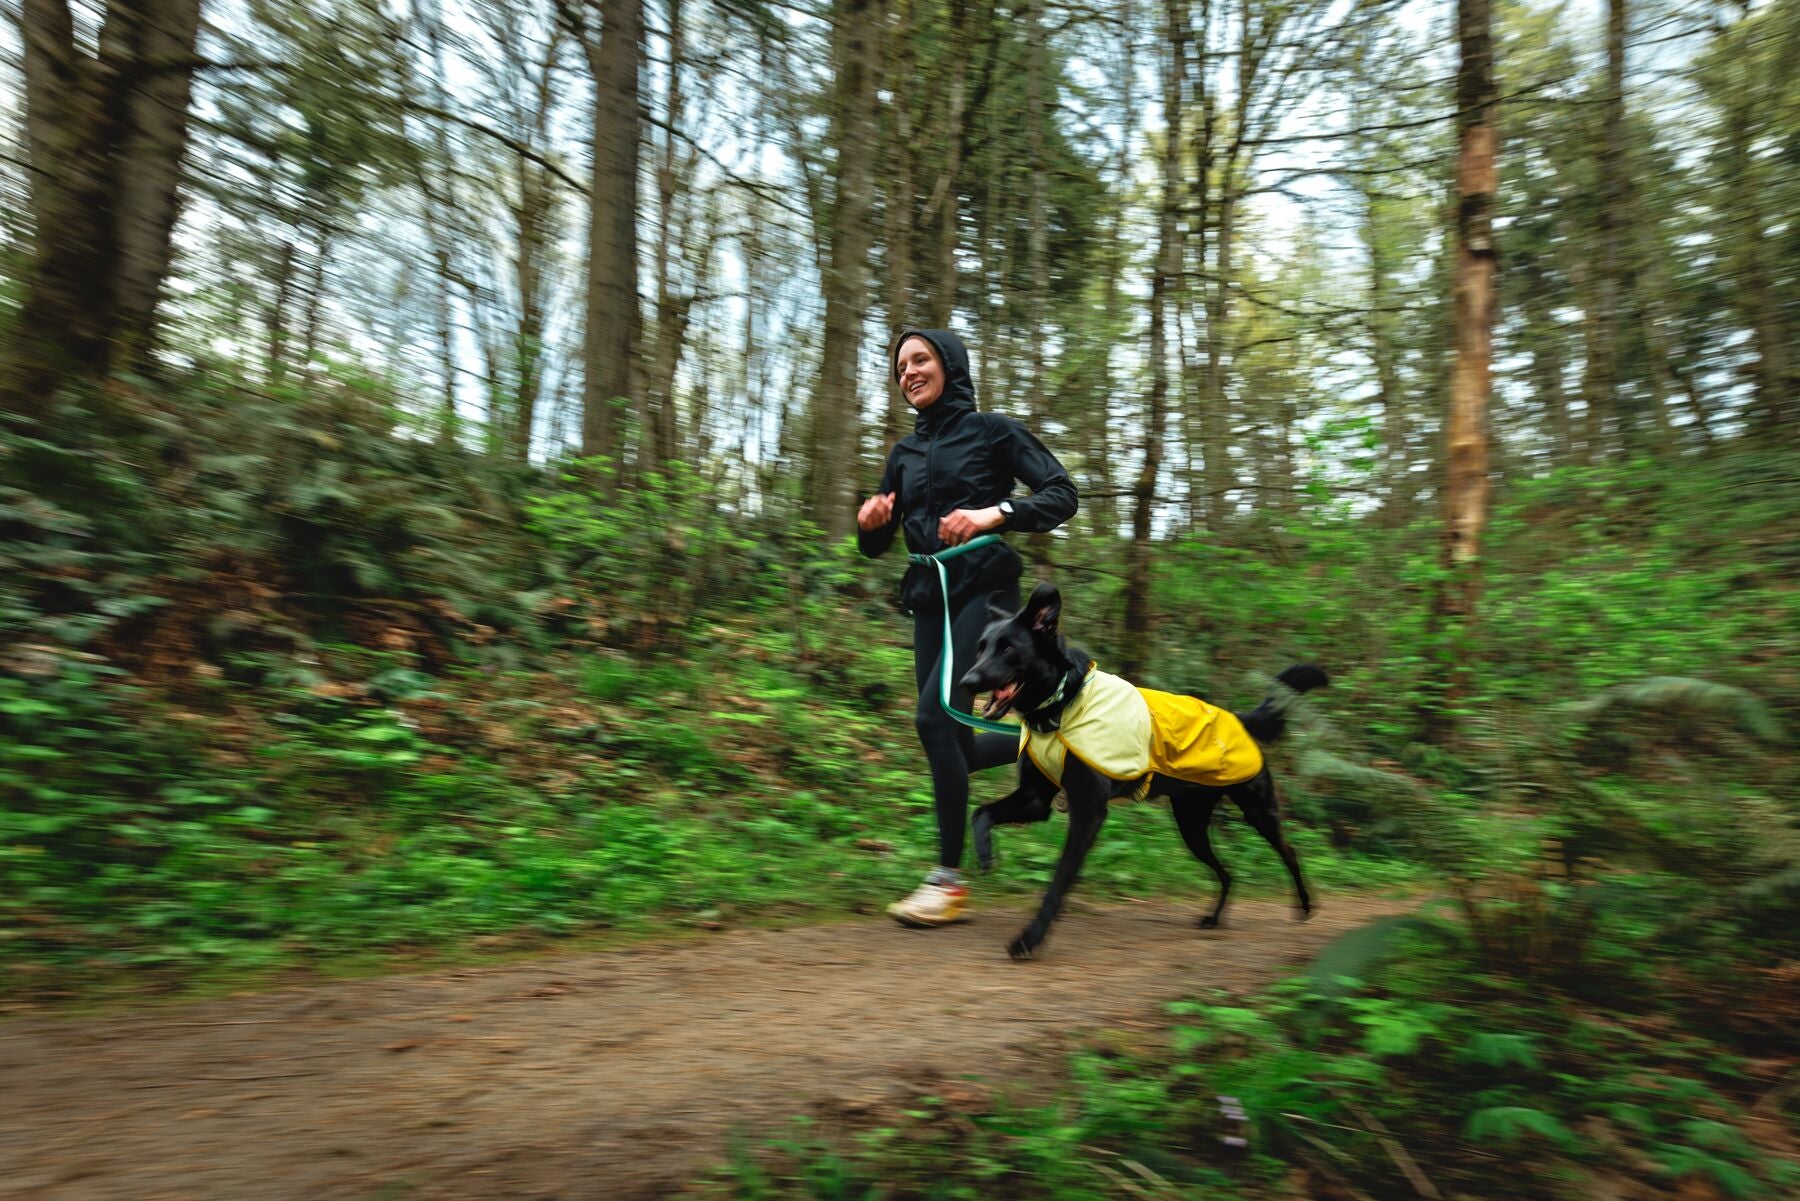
{"x": 931, "y": 484}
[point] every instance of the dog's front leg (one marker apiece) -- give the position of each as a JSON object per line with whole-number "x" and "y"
{"x": 1029, "y": 802}
{"x": 1087, "y": 813}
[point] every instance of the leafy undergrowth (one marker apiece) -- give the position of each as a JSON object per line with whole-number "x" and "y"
{"x": 1431, "y": 1072}
{"x": 357, "y": 804}
{"x": 282, "y": 685}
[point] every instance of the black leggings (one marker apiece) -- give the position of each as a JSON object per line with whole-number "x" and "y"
{"x": 952, "y": 749}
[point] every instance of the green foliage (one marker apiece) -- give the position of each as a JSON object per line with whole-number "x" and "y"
{"x": 1430, "y": 1070}
{"x": 1506, "y": 1124}
{"x": 1680, "y": 697}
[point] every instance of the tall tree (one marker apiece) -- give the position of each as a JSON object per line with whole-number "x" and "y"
{"x": 518, "y": 61}
{"x": 614, "y": 328}
{"x": 899, "y": 157}
{"x": 1745, "y": 71}
{"x": 1474, "y": 292}
{"x": 1037, "y": 213}
{"x": 1165, "y": 277}
{"x": 106, "y": 132}
{"x": 832, "y": 443}
{"x": 673, "y": 308}
{"x": 1601, "y": 383}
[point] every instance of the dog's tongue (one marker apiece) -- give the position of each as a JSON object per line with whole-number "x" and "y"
{"x": 999, "y": 698}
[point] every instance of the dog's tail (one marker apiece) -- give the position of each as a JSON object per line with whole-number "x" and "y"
{"x": 1268, "y": 721}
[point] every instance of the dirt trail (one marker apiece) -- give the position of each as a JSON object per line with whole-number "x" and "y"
{"x": 616, "y": 1075}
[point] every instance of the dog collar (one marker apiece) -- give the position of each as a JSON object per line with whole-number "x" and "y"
{"x": 1048, "y": 716}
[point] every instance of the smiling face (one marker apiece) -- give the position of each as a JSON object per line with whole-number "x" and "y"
{"x": 1020, "y": 657}
{"x": 919, "y": 373}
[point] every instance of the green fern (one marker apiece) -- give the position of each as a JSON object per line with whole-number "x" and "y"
{"x": 1350, "y": 956}
{"x": 1495, "y": 1049}
{"x": 1685, "y": 695}
{"x": 1509, "y": 1123}
{"x": 1319, "y": 764}
{"x": 1680, "y": 1160}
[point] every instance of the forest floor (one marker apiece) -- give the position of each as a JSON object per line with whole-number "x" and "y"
{"x": 618, "y": 1075}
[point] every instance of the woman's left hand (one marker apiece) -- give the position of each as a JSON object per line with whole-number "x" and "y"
{"x": 964, "y": 524}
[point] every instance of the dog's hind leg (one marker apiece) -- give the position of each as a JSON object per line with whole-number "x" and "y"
{"x": 1087, "y": 813}
{"x": 1029, "y": 802}
{"x": 1261, "y": 806}
{"x": 1193, "y": 809}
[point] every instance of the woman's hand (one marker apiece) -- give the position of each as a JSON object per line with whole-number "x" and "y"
{"x": 964, "y": 524}
{"x": 876, "y": 512}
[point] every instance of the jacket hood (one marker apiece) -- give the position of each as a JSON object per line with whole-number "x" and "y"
{"x": 959, "y": 384}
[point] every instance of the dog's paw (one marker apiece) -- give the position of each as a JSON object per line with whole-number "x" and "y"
{"x": 1208, "y": 921}
{"x": 1021, "y": 948}
{"x": 1303, "y": 913}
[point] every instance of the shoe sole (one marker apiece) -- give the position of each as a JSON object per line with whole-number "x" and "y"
{"x": 915, "y": 923}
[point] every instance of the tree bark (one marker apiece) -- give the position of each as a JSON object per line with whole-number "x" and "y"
{"x": 614, "y": 324}
{"x": 106, "y": 134}
{"x": 1037, "y": 214}
{"x": 531, "y": 225}
{"x": 901, "y": 157}
{"x": 1471, "y": 379}
{"x": 152, "y": 147}
{"x": 281, "y": 312}
{"x": 831, "y": 468}
{"x": 1384, "y": 351}
{"x": 1758, "y": 302}
{"x": 946, "y": 197}
{"x": 1204, "y": 435}
{"x": 1104, "y": 511}
{"x": 1166, "y": 274}
{"x": 660, "y": 419}
{"x": 1600, "y": 382}
{"x": 1545, "y": 342}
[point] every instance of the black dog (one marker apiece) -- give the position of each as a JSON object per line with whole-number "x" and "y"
{"x": 1024, "y": 664}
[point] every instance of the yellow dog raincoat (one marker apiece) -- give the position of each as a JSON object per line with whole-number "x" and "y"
{"x": 1125, "y": 732}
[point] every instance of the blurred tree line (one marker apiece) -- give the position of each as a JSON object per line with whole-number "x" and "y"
{"x": 1235, "y": 260}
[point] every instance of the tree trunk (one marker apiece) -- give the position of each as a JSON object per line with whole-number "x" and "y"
{"x": 1104, "y": 510}
{"x": 1037, "y": 214}
{"x": 1166, "y": 274}
{"x": 448, "y": 423}
{"x": 1600, "y": 385}
{"x": 831, "y": 468}
{"x": 614, "y": 324}
{"x": 1545, "y": 340}
{"x": 1204, "y": 436}
{"x": 1215, "y": 401}
{"x": 1471, "y": 382}
{"x": 659, "y": 414}
{"x": 531, "y": 223}
{"x": 1384, "y": 351}
{"x": 281, "y": 312}
{"x": 106, "y": 134}
{"x": 1758, "y": 302}
{"x": 900, "y": 157}
{"x": 946, "y": 197}
{"x": 152, "y": 146}
{"x": 314, "y": 320}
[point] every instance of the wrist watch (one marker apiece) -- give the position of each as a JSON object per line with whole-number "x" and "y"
{"x": 1006, "y": 512}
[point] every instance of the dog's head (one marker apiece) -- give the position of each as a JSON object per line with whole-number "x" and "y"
{"x": 1021, "y": 656}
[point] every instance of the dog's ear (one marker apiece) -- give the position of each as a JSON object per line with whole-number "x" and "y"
{"x": 1043, "y": 610}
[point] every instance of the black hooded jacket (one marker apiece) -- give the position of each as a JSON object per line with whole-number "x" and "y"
{"x": 960, "y": 458}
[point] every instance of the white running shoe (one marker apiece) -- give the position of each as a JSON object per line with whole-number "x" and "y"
{"x": 936, "y": 902}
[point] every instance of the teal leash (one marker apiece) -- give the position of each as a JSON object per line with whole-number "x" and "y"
{"x": 948, "y": 658}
